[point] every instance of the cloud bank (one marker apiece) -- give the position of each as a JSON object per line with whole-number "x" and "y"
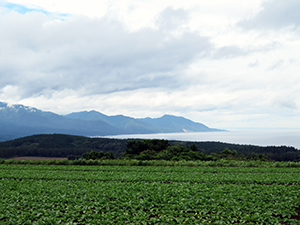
{"x": 224, "y": 66}
{"x": 275, "y": 14}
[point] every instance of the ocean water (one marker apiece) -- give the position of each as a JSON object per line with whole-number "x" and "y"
{"x": 261, "y": 137}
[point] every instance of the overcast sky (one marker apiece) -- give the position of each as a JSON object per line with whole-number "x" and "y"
{"x": 223, "y": 63}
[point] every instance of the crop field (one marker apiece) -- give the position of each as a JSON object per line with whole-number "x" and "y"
{"x": 37, "y": 158}
{"x": 56, "y": 194}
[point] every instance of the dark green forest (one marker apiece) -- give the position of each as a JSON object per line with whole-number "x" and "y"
{"x": 60, "y": 145}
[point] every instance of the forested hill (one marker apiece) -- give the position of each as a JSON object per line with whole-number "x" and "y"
{"x": 61, "y": 145}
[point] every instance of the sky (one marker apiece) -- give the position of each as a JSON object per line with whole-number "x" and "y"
{"x": 227, "y": 64}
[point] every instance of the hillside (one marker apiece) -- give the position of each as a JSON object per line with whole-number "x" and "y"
{"x": 61, "y": 145}
{"x": 19, "y": 121}
{"x": 164, "y": 124}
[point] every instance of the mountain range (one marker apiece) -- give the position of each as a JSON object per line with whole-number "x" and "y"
{"x": 19, "y": 120}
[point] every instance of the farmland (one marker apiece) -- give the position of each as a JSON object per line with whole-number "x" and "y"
{"x": 57, "y": 194}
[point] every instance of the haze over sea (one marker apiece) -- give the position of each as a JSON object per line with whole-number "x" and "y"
{"x": 261, "y": 137}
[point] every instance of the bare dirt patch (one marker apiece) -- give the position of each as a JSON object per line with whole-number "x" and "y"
{"x": 37, "y": 158}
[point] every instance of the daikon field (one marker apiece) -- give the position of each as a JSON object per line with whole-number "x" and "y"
{"x": 60, "y": 194}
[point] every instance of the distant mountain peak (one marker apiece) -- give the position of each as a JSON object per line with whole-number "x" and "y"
{"x": 16, "y": 107}
{"x": 172, "y": 116}
{"x": 17, "y": 120}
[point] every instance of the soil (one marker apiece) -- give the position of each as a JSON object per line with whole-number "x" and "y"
{"x": 295, "y": 217}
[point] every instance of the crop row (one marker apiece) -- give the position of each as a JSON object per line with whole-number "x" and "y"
{"x": 41, "y": 194}
{"x": 134, "y": 162}
{"x": 151, "y": 168}
{"x": 233, "y": 176}
{"x": 81, "y": 202}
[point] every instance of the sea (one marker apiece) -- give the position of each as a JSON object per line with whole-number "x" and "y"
{"x": 260, "y": 137}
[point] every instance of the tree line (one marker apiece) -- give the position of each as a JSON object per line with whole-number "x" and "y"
{"x": 164, "y": 150}
{"x": 60, "y": 145}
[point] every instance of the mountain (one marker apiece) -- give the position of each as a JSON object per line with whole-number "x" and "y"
{"x": 19, "y": 120}
{"x": 164, "y": 124}
{"x": 128, "y": 124}
{"x": 170, "y": 124}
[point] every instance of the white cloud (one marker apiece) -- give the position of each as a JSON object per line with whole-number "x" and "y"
{"x": 222, "y": 63}
{"x": 275, "y": 14}
{"x": 97, "y": 55}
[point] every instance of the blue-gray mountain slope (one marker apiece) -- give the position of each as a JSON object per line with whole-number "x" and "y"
{"x": 19, "y": 120}
{"x": 164, "y": 124}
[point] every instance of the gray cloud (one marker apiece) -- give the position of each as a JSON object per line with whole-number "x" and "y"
{"x": 229, "y": 52}
{"x": 233, "y": 51}
{"x": 285, "y": 103}
{"x": 79, "y": 63}
{"x": 275, "y": 14}
{"x": 253, "y": 64}
{"x": 170, "y": 19}
{"x": 278, "y": 64}
{"x": 93, "y": 56}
